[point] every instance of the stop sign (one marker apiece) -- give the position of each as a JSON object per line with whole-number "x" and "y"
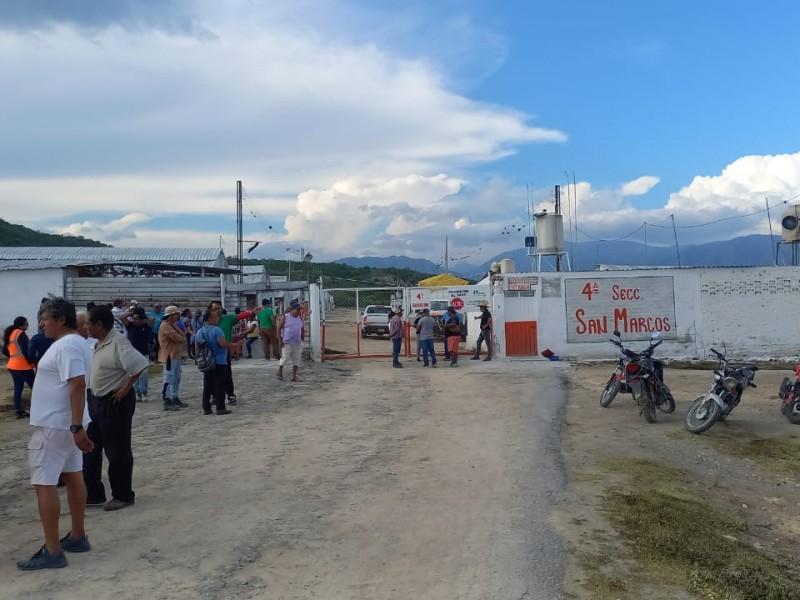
{"x": 457, "y": 303}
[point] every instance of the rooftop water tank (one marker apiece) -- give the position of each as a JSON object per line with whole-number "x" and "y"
{"x": 507, "y": 265}
{"x": 495, "y": 268}
{"x": 790, "y": 224}
{"x": 549, "y": 233}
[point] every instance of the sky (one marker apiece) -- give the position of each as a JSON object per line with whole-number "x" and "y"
{"x": 379, "y": 128}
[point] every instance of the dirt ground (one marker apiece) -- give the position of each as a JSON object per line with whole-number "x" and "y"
{"x": 746, "y": 467}
{"x": 362, "y": 481}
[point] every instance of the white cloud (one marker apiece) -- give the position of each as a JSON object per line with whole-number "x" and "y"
{"x": 739, "y": 190}
{"x": 639, "y": 186}
{"x": 112, "y": 231}
{"x": 352, "y": 212}
{"x": 258, "y": 98}
{"x": 462, "y": 223}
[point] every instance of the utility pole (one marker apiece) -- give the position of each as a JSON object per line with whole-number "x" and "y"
{"x": 239, "y": 231}
{"x": 446, "y": 256}
{"x": 677, "y": 247}
{"x": 771, "y": 237}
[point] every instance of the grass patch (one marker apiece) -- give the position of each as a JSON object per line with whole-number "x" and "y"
{"x": 780, "y": 454}
{"x": 643, "y": 471}
{"x": 602, "y": 585}
{"x": 680, "y": 536}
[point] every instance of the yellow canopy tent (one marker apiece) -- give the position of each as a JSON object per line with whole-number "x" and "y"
{"x": 442, "y": 280}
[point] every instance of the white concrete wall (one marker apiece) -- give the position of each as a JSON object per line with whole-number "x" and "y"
{"x": 751, "y": 310}
{"x": 22, "y": 291}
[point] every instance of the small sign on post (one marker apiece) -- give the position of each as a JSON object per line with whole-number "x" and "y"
{"x": 521, "y": 284}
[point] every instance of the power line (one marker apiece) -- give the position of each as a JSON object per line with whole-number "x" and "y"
{"x": 695, "y": 226}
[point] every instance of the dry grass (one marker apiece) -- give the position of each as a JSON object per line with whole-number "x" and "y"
{"x": 683, "y": 538}
{"x": 777, "y": 454}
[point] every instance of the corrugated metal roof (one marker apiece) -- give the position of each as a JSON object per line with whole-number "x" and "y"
{"x": 24, "y": 265}
{"x": 118, "y": 255}
{"x": 251, "y": 269}
{"x": 189, "y": 266}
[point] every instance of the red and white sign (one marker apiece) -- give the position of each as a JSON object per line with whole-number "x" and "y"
{"x": 635, "y": 306}
{"x": 420, "y": 299}
{"x": 457, "y": 303}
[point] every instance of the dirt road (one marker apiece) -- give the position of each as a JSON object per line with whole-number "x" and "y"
{"x": 361, "y": 482}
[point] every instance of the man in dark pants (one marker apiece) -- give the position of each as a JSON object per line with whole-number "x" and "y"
{"x": 230, "y": 391}
{"x": 116, "y": 366}
{"x": 396, "y": 334}
{"x": 215, "y": 381}
{"x": 486, "y": 332}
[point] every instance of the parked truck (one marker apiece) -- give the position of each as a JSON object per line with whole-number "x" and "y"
{"x": 375, "y": 320}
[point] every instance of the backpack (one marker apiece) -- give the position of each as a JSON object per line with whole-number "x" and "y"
{"x": 204, "y": 356}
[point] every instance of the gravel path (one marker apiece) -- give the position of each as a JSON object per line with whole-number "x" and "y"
{"x": 361, "y": 482}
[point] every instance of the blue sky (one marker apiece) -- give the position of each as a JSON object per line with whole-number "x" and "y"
{"x": 377, "y": 128}
{"x": 673, "y": 88}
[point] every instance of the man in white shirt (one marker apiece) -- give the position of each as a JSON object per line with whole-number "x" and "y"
{"x": 59, "y": 438}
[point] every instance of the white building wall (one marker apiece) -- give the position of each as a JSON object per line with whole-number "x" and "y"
{"x": 21, "y": 293}
{"x": 751, "y": 310}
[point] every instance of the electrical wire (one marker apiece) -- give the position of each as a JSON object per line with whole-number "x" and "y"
{"x": 695, "y": 226}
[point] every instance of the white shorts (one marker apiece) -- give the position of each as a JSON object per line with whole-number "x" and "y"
{"x": 50, "y": 453}
{"x": 292, "y": 355}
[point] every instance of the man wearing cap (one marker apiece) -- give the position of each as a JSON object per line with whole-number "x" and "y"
{"x": 292, "y": 333}
{"x": 116, "y": 366}
{"x": 452, "y": 335}
{"x": 396, "y": 335}
{"x": 171, "y": 340}
{"x": 486, "y": 332}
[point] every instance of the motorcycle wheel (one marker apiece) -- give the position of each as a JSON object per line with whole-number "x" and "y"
{"x": 648, "y": 404}
{"x": 667, "y": 404}
{"x": 610, "y": 392}
{"x": 792, "y": 412}
{"x": 783, "y": 390}
{"x": 703, "y": 414}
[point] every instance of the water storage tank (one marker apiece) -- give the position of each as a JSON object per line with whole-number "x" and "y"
{"x": 507, "y": 265}
{"x": 495, "y": 268}
{"x": 790, "y": 224}
{"x": 549, "y": 233}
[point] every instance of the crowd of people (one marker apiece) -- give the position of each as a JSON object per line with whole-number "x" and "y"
{"x": 88, "y": 369}
{"x": 450, "y": 327}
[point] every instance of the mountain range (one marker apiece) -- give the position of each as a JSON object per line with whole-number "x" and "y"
{"x": 12, "y": 234}
{"x": 751, "y": 250}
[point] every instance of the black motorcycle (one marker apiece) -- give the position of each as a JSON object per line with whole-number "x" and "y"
{"x": 639, "y": 374}
{"x": 789, "y": 393}
{"x": 730, "y": 381}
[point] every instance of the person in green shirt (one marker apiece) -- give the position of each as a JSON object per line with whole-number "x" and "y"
{"x": 226, "y": 323}
{"x": 269, "y": 334}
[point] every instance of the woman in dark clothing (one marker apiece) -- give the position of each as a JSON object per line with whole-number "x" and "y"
{"x": 15, "y": 347}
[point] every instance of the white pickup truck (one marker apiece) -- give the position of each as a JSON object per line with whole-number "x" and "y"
{"x": 375, "y": 320}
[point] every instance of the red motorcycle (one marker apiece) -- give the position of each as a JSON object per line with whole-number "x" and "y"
{"x": 638, "y": 374}
{"x": 790, "y": 394}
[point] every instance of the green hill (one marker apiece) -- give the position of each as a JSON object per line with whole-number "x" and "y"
{"x": 19, "y": 235}
{"x": 340, "y": 275}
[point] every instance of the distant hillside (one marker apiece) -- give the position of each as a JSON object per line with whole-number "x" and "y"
{"x": 421, "y": 265}
{"x": 751, "y": 250}
{"x": 19, "y": 235}
{"x": 341, "y": 275}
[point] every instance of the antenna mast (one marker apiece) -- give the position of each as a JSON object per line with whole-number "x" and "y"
{"x": 239, "y": 232}
{"x": 446, "y": 256}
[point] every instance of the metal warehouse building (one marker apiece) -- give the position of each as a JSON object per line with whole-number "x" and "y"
{"x": 187, "y": 277}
